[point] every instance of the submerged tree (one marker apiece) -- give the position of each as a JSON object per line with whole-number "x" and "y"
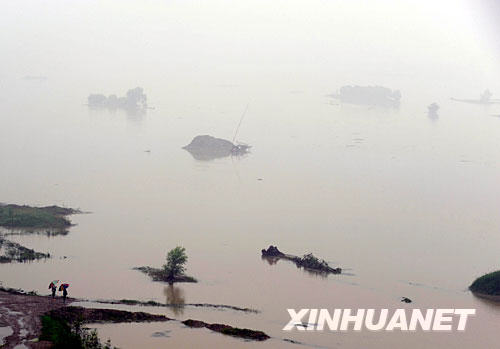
{"x": 176, "y": 260}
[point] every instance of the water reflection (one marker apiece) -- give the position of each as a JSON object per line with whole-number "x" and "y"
{"x": 31, "y": 231}
{"x": 175, "y": 298}
{"x": 274, "y": 260}
{"x": 270, "y": 260}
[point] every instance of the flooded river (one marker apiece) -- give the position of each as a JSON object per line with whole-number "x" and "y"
{"x": 407, "y": 205}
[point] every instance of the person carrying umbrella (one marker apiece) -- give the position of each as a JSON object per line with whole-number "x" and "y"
{"x": 64, "y": 289}
{"x": 53, "y": 288}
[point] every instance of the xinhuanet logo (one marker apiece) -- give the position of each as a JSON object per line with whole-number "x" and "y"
{"x": 379, "y": 319}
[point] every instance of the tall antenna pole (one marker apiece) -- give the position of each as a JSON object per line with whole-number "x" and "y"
{"x": 241, "y": 120}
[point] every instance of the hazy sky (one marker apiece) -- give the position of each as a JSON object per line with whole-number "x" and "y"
{"x": 113, "y": 37}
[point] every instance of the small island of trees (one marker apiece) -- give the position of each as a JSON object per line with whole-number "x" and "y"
{"x": 173, "y": 270}
{"x": 487, "y": 285}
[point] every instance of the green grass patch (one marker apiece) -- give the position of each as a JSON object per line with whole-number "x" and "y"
{"x": 65, "y": 336}
{"x": 59, "y": 333}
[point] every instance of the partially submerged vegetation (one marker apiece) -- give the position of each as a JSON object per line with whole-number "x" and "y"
{"x": 308, "y": 261}
{"x": 134, "y": 100}
{"x": 23, "y": 219}
{"x": 159, "y": 274}
{"x": 173, "y": 271}
{"x": 14, "y": 252}
{"x": 158, "y": 304}
{"x": 73, "y": 314}
{"x": 51, "y": 217}
{"x": 244, "y": 333}
{"x": 487, "y": 285}
{"x": 368, "y": 95}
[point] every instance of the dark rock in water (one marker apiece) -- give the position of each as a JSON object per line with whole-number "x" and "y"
{"x": 406, "y": 300}
{"x": 369, "y": 95}
{"x": 208, "y": 148}
{"x": 228, "y": 330}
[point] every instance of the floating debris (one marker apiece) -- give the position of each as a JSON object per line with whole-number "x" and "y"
{"x": 209, "y": 148}
{"x": 368, "y": 95}
{"x": 308, "y": 261}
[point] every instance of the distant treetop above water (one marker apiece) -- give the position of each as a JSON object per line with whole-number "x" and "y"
{"x": 368, "y": 95}
{"x": 134, "y": 100}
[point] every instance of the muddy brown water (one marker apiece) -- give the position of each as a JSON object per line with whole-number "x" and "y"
{"x": 406, "y": 205}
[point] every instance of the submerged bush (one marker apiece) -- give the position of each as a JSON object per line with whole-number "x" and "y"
{"x": 309, "y": 261}
{"x": 488, "y": 284}
{"x": 15, "y": 216}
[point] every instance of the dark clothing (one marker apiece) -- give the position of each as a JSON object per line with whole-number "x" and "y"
{"x": 65, "y": 294}
{"x": 54, "y": 291}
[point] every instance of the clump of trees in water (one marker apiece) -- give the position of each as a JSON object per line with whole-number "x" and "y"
{"x": 307, "y": 261}
{"x": 14, "y": 252}
{"x": 135, "y": 99}
{"x": 16, "y": 216}
{"x": 173, "y": 270}
{"x": 488, "y": 284}
{"x": 312, "y": 262}
{"x": 27, "y": 219}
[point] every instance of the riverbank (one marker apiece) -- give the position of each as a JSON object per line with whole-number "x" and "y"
{"x": 22, "y": 313}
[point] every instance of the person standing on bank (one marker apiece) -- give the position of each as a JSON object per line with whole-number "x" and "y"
{"x": 64, "y": 289}
{"x": 53, "y": 288}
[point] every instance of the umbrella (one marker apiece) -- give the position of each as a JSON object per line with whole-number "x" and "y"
{"x": 63, "y": 286}
{"x": 53, "y": 282}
